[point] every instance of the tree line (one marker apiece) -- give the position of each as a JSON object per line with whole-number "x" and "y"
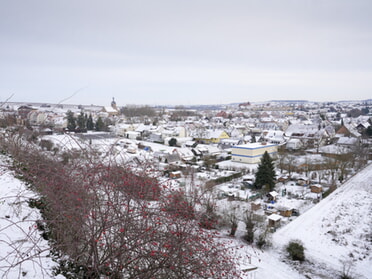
{"x": 83, "y": 123}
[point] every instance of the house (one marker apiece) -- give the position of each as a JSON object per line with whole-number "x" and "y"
{"x": 132, "y": 134}
{"x": 121, "y": 128}
{"x": 316, "y": 189}
{"x": 213, "y": 150}
{"x": 283, "y": 178}
{"x": 362, "y": 127}
{"x": 274, "y": 136}
{"x": 175, "y": 174}
{"x": 267, "y": 124}
{"x": 237, "y": 131}
{"x": 348, "y": 130}
{"x": 347, "y": 141}
{"x": 228, "y": 143}
{"x": 206, "y": 150}
{"x": 251, "y": 153}
{"x": 146, "y": 130}
{"x": 213, "y": 136}
{"x": 272, "y": 196}
{"x": 23, "y": 111}
{"x": 256, "y": 205}
{"x": 293, "y": 144}
{"x": 179, "y": 141}
{"x": 285, "y": 211}
{"x": 155, "y": 137}
{"x": 335, "y": 151}
{"x": 310, "y": 135}
{"x": 37, "y": 117}
{"x": 110, "y": 111}
{"x": 184, "y": 153}
{"x": 173, "y": 158}
{"x": 274, "y": 220}
{"x": 302, "y": 181}
{"x": 167, "y": 134}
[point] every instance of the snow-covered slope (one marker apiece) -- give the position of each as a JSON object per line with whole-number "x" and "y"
{"x": 23, "y": 252}
{"x": 338, "y": 229}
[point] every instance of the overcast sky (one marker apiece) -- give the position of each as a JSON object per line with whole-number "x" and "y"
{"x": 184, "y": 52}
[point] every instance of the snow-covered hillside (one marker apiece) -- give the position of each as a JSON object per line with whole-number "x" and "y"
{"x": 338, "y": 229}
{"x": 23, "y": 252}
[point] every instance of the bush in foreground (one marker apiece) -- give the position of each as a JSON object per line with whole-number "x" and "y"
{"x": 296, "y": 250}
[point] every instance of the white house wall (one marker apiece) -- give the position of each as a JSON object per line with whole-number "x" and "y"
{"x": 252, "y": 153}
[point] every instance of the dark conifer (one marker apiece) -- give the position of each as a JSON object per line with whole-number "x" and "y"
{"x": 71, "y": 121}
{"x": 265, "y": 176}
{"x": 90, "y": 123}
{"x": 100, "y": 125}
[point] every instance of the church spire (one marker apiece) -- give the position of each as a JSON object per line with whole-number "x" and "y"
{"x": 113, "y": 103}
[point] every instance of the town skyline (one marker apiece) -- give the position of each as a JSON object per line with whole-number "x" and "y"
{"x": 107, "y": 103}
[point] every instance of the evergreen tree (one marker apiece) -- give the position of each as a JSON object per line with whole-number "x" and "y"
{"x": 172, "y": 142}
{"x": 90, "y": 123}
{"x": 265, "y": 176}
{"x": 81, "y": 122}
{"x": 368, "y": 131}
{"x": 71, "y": 121}
{"x": 253, "y": 139}
{"x": 365, "y": 111}
{"x": 100, "y": 126}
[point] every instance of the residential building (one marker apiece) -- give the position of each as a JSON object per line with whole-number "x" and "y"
{"x": 251, "y": 153}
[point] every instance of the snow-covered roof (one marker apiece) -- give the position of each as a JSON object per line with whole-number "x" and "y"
{"x": 110, "y": 109}
{"x": 304, "y": 130}
{"x": 274, "y": 217}
{"x": 274, "y": 194}
{"x": 185, "y": 153}
{"x": 347, "y": 141}
{"x": 254, "y": 145}
{"x": 334, "y": 149}
{"x": 214, "y": 134}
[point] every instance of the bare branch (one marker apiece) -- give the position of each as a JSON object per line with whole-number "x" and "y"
{"x": 3, "y": 103}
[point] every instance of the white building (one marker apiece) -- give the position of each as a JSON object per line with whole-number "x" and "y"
{"x": 251, "y": 153}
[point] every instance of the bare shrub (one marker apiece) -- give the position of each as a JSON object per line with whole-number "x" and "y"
{"x": 104, "y": 219}
{"x": 250, "y": 226}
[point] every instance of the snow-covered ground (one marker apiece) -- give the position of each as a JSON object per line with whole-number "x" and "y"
{"x": 338, "y": 229}
{"x": 335, "y": 232}
{"x": 23, "y": 252}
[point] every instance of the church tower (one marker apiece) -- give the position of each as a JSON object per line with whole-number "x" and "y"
{"x": 113, "y": 104}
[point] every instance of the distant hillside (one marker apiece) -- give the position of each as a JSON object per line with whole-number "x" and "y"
{"x": 289, "y": 101}
{"x": 338, "y": 228}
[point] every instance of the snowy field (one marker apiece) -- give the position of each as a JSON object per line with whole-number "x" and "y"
{"x": 338, "y": 229}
